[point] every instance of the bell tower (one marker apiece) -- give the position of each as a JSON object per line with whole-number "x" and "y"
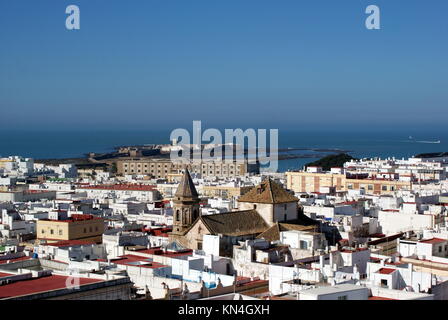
{"x": 186, "y": 204}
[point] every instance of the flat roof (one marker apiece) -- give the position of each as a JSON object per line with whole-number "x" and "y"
{"x": 434, "y": 240}
{"x": 332, "y": 289}
{"x": 69, "y": 243}
{"x": 380, "y": 298}
{"x": 38, "y": 285}
{"x": 4, "y": 261}
{"x": 138, "y": 261}
{"x": 3, "y": 274}
{"x": 159, "y": 252}
{"x": 386, "y": 270}
{"x": 120, "y": 187}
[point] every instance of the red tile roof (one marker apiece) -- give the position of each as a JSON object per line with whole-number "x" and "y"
{"x": 159, "y": 232}
{"x": 159, "y": 252}
{"x": 120, "y": 187}
{"x": 2, "y": 274}
{"x": 4, "y": 261}
{"x": 386, "y": 270}
{"x": 43, "y": 284}
{"x": 69, "y": 243}
{"x": 129, "y": 259}
{"x": 77, "y": 218}
{"x": 434, "y": 240}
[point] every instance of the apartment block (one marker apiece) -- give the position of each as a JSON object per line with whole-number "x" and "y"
{"x": 77, "y": 227}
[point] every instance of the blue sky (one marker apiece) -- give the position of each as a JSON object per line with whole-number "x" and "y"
{"x": 151, "y": 64}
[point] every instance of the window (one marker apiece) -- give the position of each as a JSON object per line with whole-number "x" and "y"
{"x": 350, "y": 186}
{"x": 384, "y": 188}
{"x": 51, "y": 231}
{"x": 60, "y": 232}
{"x": 85, "y": 230}
{"x": 392, "y": 188}
{"x": 43, "y": 231}
{"x": 370, "y": 187}
{"x": 303, "y": 245}
{"x": 342, "y": 298}
{"x": 286, "y": 206}
{"x": 384, "y": 283}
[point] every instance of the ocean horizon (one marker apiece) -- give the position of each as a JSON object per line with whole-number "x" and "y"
{"x": 360, "y": 144}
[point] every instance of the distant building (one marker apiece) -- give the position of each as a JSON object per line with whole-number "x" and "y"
{"x": 164, "y": 168}
{"x": 314, "y": 182}
{"x": 26, "y": 195}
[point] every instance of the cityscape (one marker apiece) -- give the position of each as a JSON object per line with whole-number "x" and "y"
{"x": 311, "y": 192}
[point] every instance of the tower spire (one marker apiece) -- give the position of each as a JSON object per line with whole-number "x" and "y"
{"x": 186, "y": 204}
{"x": 186, "y": 188}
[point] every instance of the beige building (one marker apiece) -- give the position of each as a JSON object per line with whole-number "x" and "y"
{"x": 313, "y": 182}
{"x": 165, "y": 168}
{"x": 77, "y": 227}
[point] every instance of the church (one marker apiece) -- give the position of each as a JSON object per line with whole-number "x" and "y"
{"x": 263, "y": 212}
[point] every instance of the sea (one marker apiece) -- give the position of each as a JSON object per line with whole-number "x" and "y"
{"x": 396, "y": 143}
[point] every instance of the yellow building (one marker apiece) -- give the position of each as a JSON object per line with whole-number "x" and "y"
{"x": 77, "y": 227}
{"x": 165, "y": 168}
{"x": 313, "y": 182}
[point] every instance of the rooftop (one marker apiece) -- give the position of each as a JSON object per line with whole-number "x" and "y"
{"x": 37, "y": 285}
{"x": 69, "y": 243}
{"x": 323, "y": 290}
{"x": 434, "y": 241}
{"x": 268, "y": 192}
{"x": 76, "y": 218}
{"x": 137, "y": 261}
{"x": 120, "y": 187}
{"x": 159, "y": 252}
{"x": 386, "y": 270}
{"x": 380, "y": 298}
{"x": 4, "y": 261}
{"x": 235, "y": 223}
